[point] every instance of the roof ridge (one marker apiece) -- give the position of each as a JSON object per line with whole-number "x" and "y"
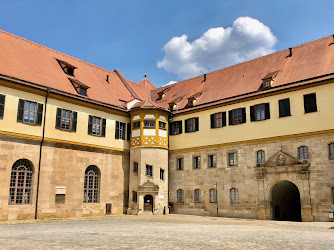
{"x": 53, "y": 50}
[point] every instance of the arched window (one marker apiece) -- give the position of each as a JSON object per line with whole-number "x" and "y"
{"x": 234, "y": 196}
{"x": 213, "y": 195}
{"x": 21, "y": 182}
{"x": 92, "y": 185}
{"x": 197, "y": 195}
{"x": 331, "y": 150}
{"x": 260, "y": 156}
{"x": 303, "y": 153}
{"x": 180, "y": 196}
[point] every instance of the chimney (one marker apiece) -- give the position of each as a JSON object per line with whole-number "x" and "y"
{"x": 151, "y": 95}
{"x": 107, "y": 79}
{"x": 204, "y": 78}
{"x": 290, "y": 55}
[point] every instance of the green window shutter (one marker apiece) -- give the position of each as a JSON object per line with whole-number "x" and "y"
{"x": 39, "y": 114}
{"x": 58, "y": 118}
{"x": 230, "y": 117}
{"x": 104, "y": 122}
{"x": 224, "y": 118}
{"x": 2, "y": 105}
{"x": 196, "y": 124}
{"x": 267, "y": 110}
{"x": 252, "y": 113}
{"x": 128, "y": 131}
{"x": 186, "y": 126}
{"x": 20, "y": 110}
{"x": 90, "y": 125}
{"x": 74, "y": 121}
{"x": 243, "y": 114}
{"x": 117, "y": 130}
{"x": 212, "y": 120}
{"x": 123, "y": 129}
{"x": 180, "y": 127}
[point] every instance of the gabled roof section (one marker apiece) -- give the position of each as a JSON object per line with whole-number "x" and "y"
{"x": 309, "y": 61}
{"x": 270, "y": 75}
{"x": 147, "y": 84}
{"x": 147, "y": 104}
{"x": 30, "y": 62}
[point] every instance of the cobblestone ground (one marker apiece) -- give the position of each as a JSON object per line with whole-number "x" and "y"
{"x": 165, "y": 232}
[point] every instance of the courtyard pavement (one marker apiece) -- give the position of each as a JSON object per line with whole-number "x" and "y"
{"x": 165, "y": 232}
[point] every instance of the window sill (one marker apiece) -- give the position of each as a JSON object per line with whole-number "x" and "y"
{"x": 311, "y": 112}
{"x": 285, "y": 116}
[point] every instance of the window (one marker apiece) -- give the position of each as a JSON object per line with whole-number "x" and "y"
{"x": 331, "y": 150}
{"x": 180, "y": 196}
{"x": 149, "y": 170}
{"x": 66, "y": 120}
{"x": 213, "y": 195}
{"x": 136, "y": 124}
{"x": 197, "y": 162}
{"x": 134, "y": 197}
{"x": 197, "y": 196}
{"x": 310, "y": 103}
{"x": 2, "y": 105}
{"x": 171, "y": 106}
{"x": 176, "y": 128}
{"x": 21, "y": 182}
{"x": 267, "y": 84}
{"x": 120, "y": 130}
{"x": 260, "y": 157}
{"x": 80, "y": 87}
{"x": 212, "y": 161}
{"x": 67, "y": 68}
{"x": 218, "y": 120}
{"x": 162, "y": 173}
{"x": 30, "y": 112}
{"x": 234, "y": 196}
{"x": 149, "y": 124}
{"x": 284, "y": 107}
{"x": 162, "y": 125}
{"x": 237, "y": 116}
{"x": 96, "y": 126}
{"x": 180, "y": 164}
{"x": 135, "y": 167}
{"x": 232, "y": 159}
{"x": 92, "y": 185}
{"x": 260, "y": 112}
{"x": 303, "y": 153}
{"x": 83, "y": 91}
{"x": 60, "y": 199}
{"x": 191, "y": 125}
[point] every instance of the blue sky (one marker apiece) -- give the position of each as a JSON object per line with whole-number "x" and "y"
{"x": 130, "y": 35}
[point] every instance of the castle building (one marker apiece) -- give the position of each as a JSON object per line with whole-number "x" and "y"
{"x": 254, "y": 140}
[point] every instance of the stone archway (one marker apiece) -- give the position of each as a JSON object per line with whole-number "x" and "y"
{"x": 285, "y": 201}
{"x": 148, "y": 203}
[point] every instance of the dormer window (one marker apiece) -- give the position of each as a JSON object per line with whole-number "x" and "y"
{"x": 163, "y": 93}
{"x": 174, "y": 103}
{"x": 193, "y": 99}
{"x": 79, "y": 87}
{"x": 268, "y": 79}
{"x": 67, "y": 68}
{"x": 172, "y": 106}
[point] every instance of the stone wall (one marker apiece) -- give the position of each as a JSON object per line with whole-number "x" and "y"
{"x": 243, "y": 176}
{"x": 64, "y": 166}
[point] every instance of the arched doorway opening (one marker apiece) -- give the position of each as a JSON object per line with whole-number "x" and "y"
{"x": 286, "y": 202}
{"x": 148, "y": 203}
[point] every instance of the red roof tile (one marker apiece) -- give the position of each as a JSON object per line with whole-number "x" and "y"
{"x": 308, "y": 60}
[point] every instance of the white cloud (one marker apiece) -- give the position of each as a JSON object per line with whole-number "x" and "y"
{"x": 217, "y": 48}
{"x": 170, "y": 83}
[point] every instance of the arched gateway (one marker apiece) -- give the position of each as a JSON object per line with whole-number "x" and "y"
{"x": 148, "y": 203}
{"x": 286, "y": 202}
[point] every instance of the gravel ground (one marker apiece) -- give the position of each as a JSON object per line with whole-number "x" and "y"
{"x": 165, "y": 232}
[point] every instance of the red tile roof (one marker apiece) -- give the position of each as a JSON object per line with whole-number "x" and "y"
{"x": 309, "y": 60}
{"x": 28, "y": 61}
{"x": 147, "y": 104}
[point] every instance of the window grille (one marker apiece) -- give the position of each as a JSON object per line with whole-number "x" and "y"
{"x": 162, "y": 125}
{"x": 66, "y": 119}
{"x": 180, "y": 196}
{"x": 180, "y": 164}
{"x": 149, "y": 124}
{"x": 96, "y": 128}
{"x": 212, "y": 161}
{"x": 30, "y": 112}
{"x": 162, "y": 173}
{"x": 197, "y": 196}
{"x": 135, "y": 167}
{"x": 232, "y": 159}
{"x": 149, "y": 170}
{"x": 197, "y": 162}
{"x": 92, "y": 185}
{"x": 213, "y": 195}
{"x": 237, "y": 116}
{"x": 331, "y": 150}
{"x": 260, "y": 112}
{"x": 234, "y": 196}
{"x": 303, "y": 153}
{"x": 260, "y": 156}
{"x": 21, "y": 182}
